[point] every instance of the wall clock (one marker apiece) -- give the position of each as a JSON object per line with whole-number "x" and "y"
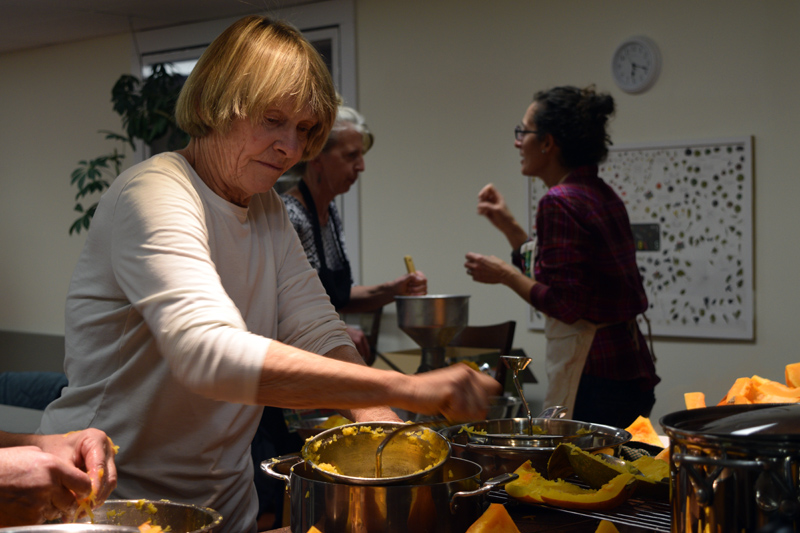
{"x": 635, "y": 64}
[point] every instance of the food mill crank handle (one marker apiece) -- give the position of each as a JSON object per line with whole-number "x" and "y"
{"x": 409, "y": 264}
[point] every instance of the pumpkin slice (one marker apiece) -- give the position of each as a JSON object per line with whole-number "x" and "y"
{"x": 611, "y": 495}
{"x": 606, "y": 527}
{"x": 741, "y": 392}
{"x": 494, "y": 520}
{"x": 530, "y": 485}
{"x": 663, "y": 455}
{"x": 694, "y": 400}
{"x": 793, "y": 375}
{"x": 592, "y": 469}
{"x": 653, "y": 468}
{"x": 767, "y": 387}
{"x": 642, "y": 431}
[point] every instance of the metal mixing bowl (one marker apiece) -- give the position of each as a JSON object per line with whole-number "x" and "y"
{"x": 180, "y": 517}
{"x": 348, "y": 454}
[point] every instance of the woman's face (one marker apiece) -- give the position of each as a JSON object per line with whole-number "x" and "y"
{"x": 338, "y": 168}
{"x": 530, "y": 147}
{"x": 254, "y": 154}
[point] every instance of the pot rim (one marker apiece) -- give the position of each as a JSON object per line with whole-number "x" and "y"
{"x": 678, "y": 424}
{"x": 620, "y": 436}
{"x": 270, "y": 468}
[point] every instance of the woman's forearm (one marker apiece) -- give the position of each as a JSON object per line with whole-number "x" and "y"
{"x": 520, "y": 284}
{"x": 296, "y": 379}
{"x": 365, "y": 298}
{"x": 515, "y": 235}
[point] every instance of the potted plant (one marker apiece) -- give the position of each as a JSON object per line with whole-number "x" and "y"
{"x": 147, "y": 108}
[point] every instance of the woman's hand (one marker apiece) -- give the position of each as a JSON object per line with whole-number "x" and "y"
{"x": 492, "y": 205}
{"x": 36, "y": 486}
{"x": 414, "y": 284}
{"x": 491, "y": 269}
{"x": 488, "y": 268}
{"x": 457, "y": 392}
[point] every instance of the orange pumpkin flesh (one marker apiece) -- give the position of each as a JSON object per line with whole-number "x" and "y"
{"x": 793, "y": 375}
{"x": 642, "y": 431}
{"x": 606, "y": 527}
{"x": 494, "y": 520}
{"x": 694, "y": 400}
{"x": 612, "y": 494}
{"x": 531, "y": 484}
{"x": 534, "y": 488}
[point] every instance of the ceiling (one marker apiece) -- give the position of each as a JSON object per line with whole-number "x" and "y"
{"x": 26, "y": 24}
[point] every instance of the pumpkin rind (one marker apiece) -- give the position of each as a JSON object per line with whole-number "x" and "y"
{"x": 532, "y": 487}
{"x": 596, "y": 472}
{"x": 530, "y": 484}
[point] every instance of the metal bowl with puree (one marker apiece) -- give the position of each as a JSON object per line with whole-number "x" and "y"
{"x": 348, "y": 454}
{"x": 178, "y": 517}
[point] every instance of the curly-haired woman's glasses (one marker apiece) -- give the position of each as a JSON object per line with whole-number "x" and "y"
{"x": 520, "y": 132}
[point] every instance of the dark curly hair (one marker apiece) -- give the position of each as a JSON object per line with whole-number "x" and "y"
{"x": 576, "y": 118}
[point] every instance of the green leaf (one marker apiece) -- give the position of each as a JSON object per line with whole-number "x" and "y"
{"x": 147, "y": 111}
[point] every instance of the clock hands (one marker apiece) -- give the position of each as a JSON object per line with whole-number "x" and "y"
{"x": 635, "y": 66}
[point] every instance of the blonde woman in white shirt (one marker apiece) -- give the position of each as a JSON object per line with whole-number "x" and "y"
{"x": 193, "y": 303}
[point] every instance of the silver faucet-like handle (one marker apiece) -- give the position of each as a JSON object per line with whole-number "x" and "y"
{"x": 518, "y": 363}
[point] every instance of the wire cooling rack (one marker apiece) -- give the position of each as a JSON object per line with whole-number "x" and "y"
{"x": 654, "y": 516}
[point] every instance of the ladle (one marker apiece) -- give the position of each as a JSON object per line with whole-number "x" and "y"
{"x": 518, "y": 363}
{"x": 403, "y": 429}
{"x": 620, "y": 462}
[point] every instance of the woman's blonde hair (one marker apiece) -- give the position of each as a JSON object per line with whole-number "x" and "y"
{"x": 254, "y": 65}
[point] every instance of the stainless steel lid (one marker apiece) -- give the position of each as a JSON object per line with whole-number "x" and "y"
{"x": 758, "y": 420}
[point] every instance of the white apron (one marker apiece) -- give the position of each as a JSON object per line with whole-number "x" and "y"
{"x": 567, "y": 348}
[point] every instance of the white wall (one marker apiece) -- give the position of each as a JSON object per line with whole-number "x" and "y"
{"x": 442, "y": 84}
{"x": 53, "y": 101}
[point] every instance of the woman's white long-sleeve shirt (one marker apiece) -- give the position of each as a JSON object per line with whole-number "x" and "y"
{"x": 174, "y": 301}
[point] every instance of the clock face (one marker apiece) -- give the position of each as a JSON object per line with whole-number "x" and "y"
{"x": 635, "y": 64}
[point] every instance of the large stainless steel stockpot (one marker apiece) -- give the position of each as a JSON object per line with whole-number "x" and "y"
{"x": 735, "y": 468}
{"x": 448, "y": 502}
{"x": 501, "y": 446}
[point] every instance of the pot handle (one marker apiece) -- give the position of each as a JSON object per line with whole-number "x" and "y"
{"x": 704, "y": 480}
{"x": 269, "y": 465}
{"x": 488, "y": 485}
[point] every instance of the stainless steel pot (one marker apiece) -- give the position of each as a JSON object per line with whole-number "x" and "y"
{"x": 449, "y": 502}
{"x": 501, "y": 446}
{"x": 735, "y": 468}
